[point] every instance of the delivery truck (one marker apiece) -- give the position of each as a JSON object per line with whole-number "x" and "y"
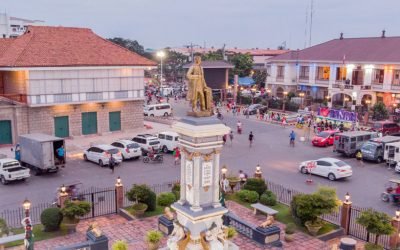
{"x": 39, "y": 152}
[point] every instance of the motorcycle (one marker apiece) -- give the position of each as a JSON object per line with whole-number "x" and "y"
{"x": 390, "y": 191}
{"x": 154, "y": 158}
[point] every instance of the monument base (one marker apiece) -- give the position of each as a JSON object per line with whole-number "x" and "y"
{"x": 205, "y": 113}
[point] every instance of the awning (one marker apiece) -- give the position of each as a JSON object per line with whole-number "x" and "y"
{"x": 245, "y": 81}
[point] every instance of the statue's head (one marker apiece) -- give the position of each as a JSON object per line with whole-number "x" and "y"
{"x": 197, "y": 60}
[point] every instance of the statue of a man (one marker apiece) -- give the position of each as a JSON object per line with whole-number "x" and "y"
{"x": 197, "y": 88}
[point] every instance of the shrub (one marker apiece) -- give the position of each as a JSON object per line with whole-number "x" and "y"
{"x": 143, "y": 193}
{"x": 379, "y": 111}
{"x": 120, "y": 245}
{"x": 230, "y": 232}
{"x": 376, "y": 223}
{"x": 154, "y": 236}
{"x": 370, "y": 246}
{"x": 51, "y": 219}
{"x": 268, "y": 198}
{"x": 74, "y": 209}
{"x": 290, "y": 228}
{"x": 166, "y": 199}
{"x": 255, "y": 184}
{"x": 248, "y": 196}
{"x": 176, "y": 189}
{"x": 3, "y": 227}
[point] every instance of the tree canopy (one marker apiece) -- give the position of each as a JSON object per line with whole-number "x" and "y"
{"x": 243, "y": 64}
{"x": 376, "y": 223}
{"x": 174, "y": 62}
{"x": 213, "y": 56}
{"x": 259, "y": 77}
{"x": 129, "y": 44}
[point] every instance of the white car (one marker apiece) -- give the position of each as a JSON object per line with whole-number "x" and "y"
{"x": 168, "y": 141}
{"x": 11, "y": 170}
{"x": 327, "y": 167}
{"x": 101, "y": 154}
{"x": 147, "y": 142}
{"x": 129, "y": 149}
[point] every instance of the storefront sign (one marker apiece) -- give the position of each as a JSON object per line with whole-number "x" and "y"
{"x": 338, "y": 114}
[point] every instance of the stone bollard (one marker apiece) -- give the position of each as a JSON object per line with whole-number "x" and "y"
{"x": 345, "y": 216}
{"x": 119, "y": 193}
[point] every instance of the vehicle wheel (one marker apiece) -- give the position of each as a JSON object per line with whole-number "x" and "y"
{"x": 146, "y": 159}
{"x": 37, "y": 171}
{"x": 135, "y": 158}
{"x": 165, "y": 114}
{"x": 385, "y": 197}
{"x": 3, "y": 180}
{"x": 331, "y": 177}
{"x": 161, "y": 159}
{"x": 165, "y": 149}
{"x": 326, "y": 144}
{"x": 152, "y": 115}
{"x": 123, "y": 158}
{"x": 85, "y": 157}
{"x": 379, "y": 160}
{"x": 304, "y": 170}
{"x": 101, "y": 164}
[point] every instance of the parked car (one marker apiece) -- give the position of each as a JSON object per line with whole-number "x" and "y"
{"x": 386, "y": 127}
{"x": 11, "y": 170}
{"x": 168, "y": 141}
{"x": 128, "y": 149}
{"x": 331, "y": 168}
{"x": 349, "y": 143}
{"x": 252, "y": 109}
{"x": 324, "y": 138}
{"x": 373, "y": 150}
{"x": 146, "y": 142}
{"x": 101, "y": 154}
{"x": 161, "y": 109}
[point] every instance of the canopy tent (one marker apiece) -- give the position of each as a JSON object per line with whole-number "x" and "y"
{"x": 245, "y": 81}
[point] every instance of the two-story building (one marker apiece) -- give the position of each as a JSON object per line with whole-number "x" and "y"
{"x": 12, "y": 27}
{"x": 68, "y": 82}
{"x": 365, "y": 70}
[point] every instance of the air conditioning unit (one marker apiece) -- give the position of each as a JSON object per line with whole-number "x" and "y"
{"x": 298, "y": 87}
{"x": 293, "y": 80}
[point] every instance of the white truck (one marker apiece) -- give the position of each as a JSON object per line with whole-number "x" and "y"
{"x": 11, "y": 170}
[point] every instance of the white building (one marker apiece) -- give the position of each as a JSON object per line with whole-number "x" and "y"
{"x": 364, "y": 69}
{"x": 12, "y": 27}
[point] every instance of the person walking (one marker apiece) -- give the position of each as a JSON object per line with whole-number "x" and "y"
{"x": 61, "y": 155}
{"x": 251, "y": 138}
{"x": 177, "y": 155}
{"x": 111, "y": 163}
{"x": 224, "y": 139}
{"x": 231, "y": 137}
{"x": 292, "y": 137}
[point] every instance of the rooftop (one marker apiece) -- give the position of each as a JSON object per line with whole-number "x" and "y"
{"x": 46, "y": 46}
{"x": 253, "y": 52}
{"x": 212, "y": 65}
{"x": 368, "y": 49}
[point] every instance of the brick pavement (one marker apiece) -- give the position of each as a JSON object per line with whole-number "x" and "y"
{"x": 133, "y": 232}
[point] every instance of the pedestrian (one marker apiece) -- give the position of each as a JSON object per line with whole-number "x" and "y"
{"x": 18, "y": 152}
{"x": 61, "y": 155}
{"x": 247, "y": 113}
{"x": 284, "y": 123}
{"x": 177, "y": 155}
{"x": 257, "y": 114}
{"x": 251, "y": 138}
{"x": 238, "y": 110}
{"x": 231, "y": 137}
{"x": 224, "y": 139}
{"x": 242, "y": 177}
{"x": 111, "y": 163}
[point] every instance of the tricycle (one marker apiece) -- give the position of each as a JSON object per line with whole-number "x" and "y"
{"x": 392, "y": 192}
{"x": 72, "y": 189}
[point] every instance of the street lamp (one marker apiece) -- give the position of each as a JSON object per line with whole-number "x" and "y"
{"x": 258, "y": 173}
{"x": 224, "y": 169}
{"x": 119, "y": 183}
{"x": 63, "y": 189}
{"x": 397, "y": 214}
{"x": 284, "y": 100}
{"x": 347, "y": 198}
{"x": 27, "y": 205}
{"x": 301, "y": 94}
{"x": 161, "y": 55}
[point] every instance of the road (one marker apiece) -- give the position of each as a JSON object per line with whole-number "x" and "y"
{"x": 278, "y": 161}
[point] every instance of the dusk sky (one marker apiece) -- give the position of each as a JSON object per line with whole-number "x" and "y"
{"x": 241, "y": 23}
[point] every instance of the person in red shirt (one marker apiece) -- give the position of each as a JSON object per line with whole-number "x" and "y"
{"x": 395, "y": 196}
{"x": 177, "y": 155}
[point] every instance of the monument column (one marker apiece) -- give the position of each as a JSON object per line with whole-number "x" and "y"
{"x": 182, "y": 198}
{"x": 216, "y": 179}
{"x": 196, "y": 182}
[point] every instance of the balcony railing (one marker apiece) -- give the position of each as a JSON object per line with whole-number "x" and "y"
{"x": 395, "y": 87}
{"x": 377, "y": 86}
{"x": 304, "y": 78}
{"x": 344, "y": 86}
{"x": 280, "y": 78}
{"x": 16, "y": 97}
{"x": 365, "y": 87}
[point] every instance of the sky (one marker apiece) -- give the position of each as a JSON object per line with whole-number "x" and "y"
{"x": 237, "y": 23}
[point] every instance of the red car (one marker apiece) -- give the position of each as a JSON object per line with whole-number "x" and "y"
{"x": 324, "y": 138}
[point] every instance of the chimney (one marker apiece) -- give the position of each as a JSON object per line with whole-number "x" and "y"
{"x": 341, "y": 36}
{"x": 383, "y": 33}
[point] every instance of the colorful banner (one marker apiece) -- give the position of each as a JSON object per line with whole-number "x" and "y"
{"x": 343, "y": 115}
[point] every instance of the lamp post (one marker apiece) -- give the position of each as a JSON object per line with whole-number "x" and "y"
{"x": 118, "y": 183}
{"x": 224, "y": 169}
{"x": 284, "y": 100}
{"x": 302, "y": 99}
{"x": 258, "y": 173}
{"x": 27, "y": 206}
{"x": 161, "y": 55}
{"x": 354, "y": 95}
{"x": 27, "y": 225}
{"x": 347, "y": 199}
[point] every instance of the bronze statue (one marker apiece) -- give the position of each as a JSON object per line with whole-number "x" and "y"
{"x": 198, "y": 90}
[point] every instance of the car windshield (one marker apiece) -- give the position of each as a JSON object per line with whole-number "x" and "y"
{"x": 133, "y": 145}
{"x": 377, "y": 125}
{"x": 341, "y": 164}
{"x": 11, "y": 164}
{"x": 369, "y": 146}
{"x": 324, "y": 134}
{"x": 113, "y": 151}
{"x": 154, "y": 142}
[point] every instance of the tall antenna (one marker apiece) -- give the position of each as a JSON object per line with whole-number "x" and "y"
{"x": 311, "y": 20}
{"x": 305, "y": 29}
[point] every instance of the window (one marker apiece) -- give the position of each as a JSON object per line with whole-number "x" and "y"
{"x": 323, "y": 73}
{"x": 396, "y": 77}
{"x": 323, "y": 163}
{"x": 161, "y": 136}
{"x": 113, "y": 151}
{"x": 176, "y": 138}
{"x": 268, "y": 70}
{"x": 116, "y": 144}
{"x": 377, "y": 76}
{"x": 169, "y": 138}
{"x": 341, "y": 73}
{"x": 304, "y": 72}
{"x": 280, "y": 72}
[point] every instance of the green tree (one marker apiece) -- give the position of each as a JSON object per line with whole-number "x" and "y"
{"x": 129, "y": 44}
{"x": 379, "y": 112}
{"x": 259, "y": 77}
{"x": 243, "y": 64}
{"x": 213, "y": 56}
{"x": 174, "y": 62}
{"x": 376, "y": 223}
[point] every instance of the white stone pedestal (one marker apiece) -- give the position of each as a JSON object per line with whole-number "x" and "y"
{"x": 199, "y": 208}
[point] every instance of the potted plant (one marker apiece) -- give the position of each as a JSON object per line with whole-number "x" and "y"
{"x": 139, "y": 209}
{"x": 72, "y": 211}
{"x": 230, "y": 233}
{"x": 375, "y": 223}
{"x": 233, "y": 181}
{"x": 120, "y": 245}
{"x": 3, "y": 228}
{"x": 153, "y": 238}
{"x": 289, "y": 231}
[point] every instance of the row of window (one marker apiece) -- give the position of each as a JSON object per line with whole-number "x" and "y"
{"x": 323, "y": 74}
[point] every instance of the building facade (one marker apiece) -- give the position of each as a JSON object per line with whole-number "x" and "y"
{"x": 68, "y": 82}
{"x": 12, "y": 27}
{"x": 354, "y": 71}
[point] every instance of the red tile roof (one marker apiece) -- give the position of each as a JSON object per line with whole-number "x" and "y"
{"x": 253, "y": 52}
{"x": 370, "y": 49}
{"x": 45, "y": 46}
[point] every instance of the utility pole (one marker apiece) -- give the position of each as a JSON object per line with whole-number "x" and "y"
{"x": 311, "y": 20}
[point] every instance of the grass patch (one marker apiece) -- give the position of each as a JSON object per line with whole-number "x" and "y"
{"x": 159, "y": 210}
{"x": 39, "y": 234}
{"x": 284, "y": 216}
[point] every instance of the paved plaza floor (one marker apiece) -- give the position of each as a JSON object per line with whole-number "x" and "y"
{"x": 117, "y": 228}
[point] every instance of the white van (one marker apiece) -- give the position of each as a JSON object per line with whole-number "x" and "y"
{"x": 168, "y": 141}
{"x": 161, "y": 109}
